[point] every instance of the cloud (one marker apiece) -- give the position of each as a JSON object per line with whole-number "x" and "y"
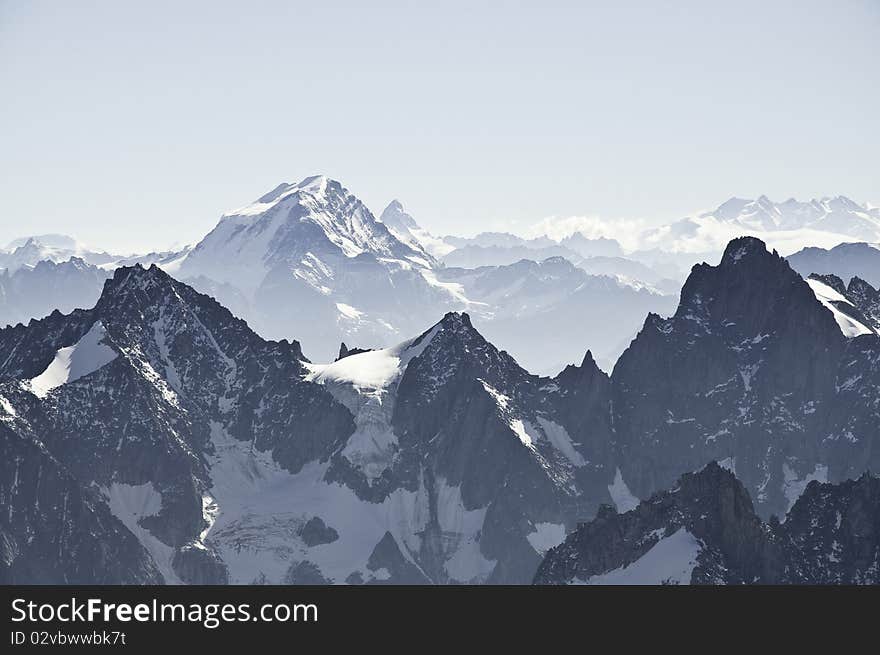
{"x": 626, "y": 230}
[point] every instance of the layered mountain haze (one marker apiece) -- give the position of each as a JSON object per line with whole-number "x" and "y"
{"x": 786, "y": 226}
{"x": 310, "y": 259}
{"x": 671, "y": 249}
{"x": 513, "y": 304}
{"x": 32, "y": 292}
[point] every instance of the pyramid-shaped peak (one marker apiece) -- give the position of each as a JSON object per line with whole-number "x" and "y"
{"x": 860, "y": 286}
{"x": 395, "y": 217}
{"x": 456, "y": 321}
{"x": 588, "y": 370}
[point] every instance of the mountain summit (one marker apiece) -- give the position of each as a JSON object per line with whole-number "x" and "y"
{"x": 293, "y": 225}
{"x": 310, "y": 259}
{"x": 752, "y": 366}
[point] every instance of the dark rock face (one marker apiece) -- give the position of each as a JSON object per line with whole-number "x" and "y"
{"x": 478, "y": 436}
{"x": 53, "y": 530}
{"x": 866, "y": 299}
{"x": 316, "y": 532}
{"x": 190, "y": 415}
{"x": 705, "y": 531}
{"x": 745, "y": 372}
{"x": 858, "y": 306}
{"x": 345, "y": 351}
{"x": 199, "y": 566}
{"x": 832, "y": 534}
{"x": 139, "y": 428}
{"x": 305, "y": 573}
{"x": 389, "y": 566}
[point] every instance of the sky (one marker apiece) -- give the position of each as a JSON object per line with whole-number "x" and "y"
{"x": 134, "y": 126}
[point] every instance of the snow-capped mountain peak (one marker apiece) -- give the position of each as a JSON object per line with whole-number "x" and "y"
{"x": 299, "y": 226}
{"x": 27, "y": 252}
{"x": 315, "y": 185}
{"x": 323, "y": 202}
{"x": 310, "y": 255}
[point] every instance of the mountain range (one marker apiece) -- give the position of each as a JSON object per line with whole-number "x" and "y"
{"x": 787, "y": 226}
{"x": 309, "y": 261}
{"x": 156, "y": 437}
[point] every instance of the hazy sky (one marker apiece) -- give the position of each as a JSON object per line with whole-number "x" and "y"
{"x": 134, "y": 125}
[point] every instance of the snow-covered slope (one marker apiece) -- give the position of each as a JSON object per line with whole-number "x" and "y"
{"x": 845, "y": 313}
{"x": 73, "y": 362}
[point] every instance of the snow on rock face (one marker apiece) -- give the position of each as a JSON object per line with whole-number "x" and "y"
{"x": 315, "y": 186}
{"x": 261, "y": 511}
{"x": 532, "y": 433}
{"x": 374, "y": 370}
{"x": 464, "y": 561}
{"x": 86, "y": 356}
{"x": 364, "y": 384}
{"x": 546, "y": 536}
{"x": 623, "y": 498}
{"x": 131, "y": 503}
{"x": 793, "y": 488}
{"x": 829, "y": 297}
{"x": 670, "y": 561}
{"x": 7, "y": 407}
{"x": 348, "y": 311}
{"x": 560, "y": 439}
